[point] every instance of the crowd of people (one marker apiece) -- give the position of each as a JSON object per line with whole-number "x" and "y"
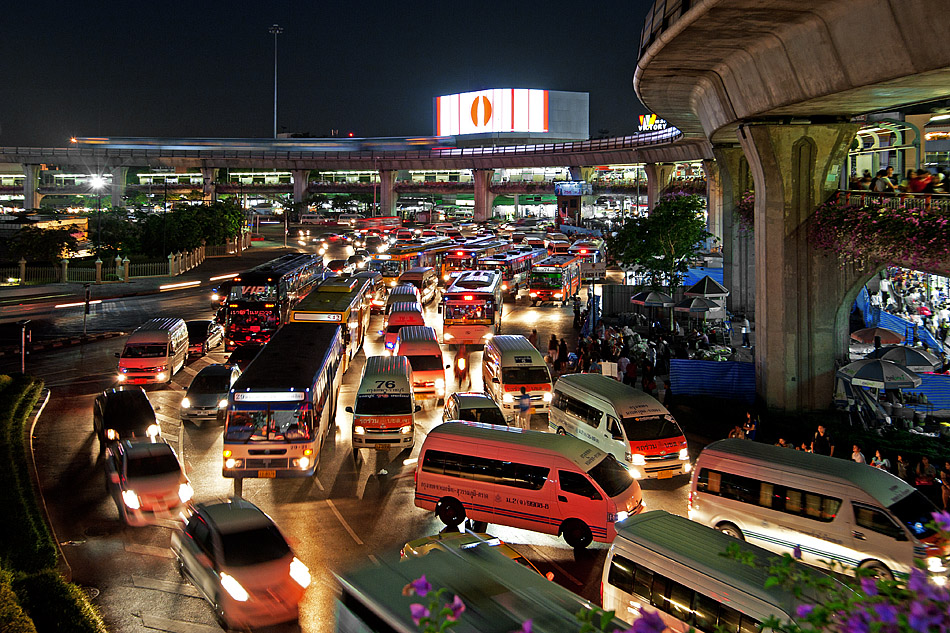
{"x": 918, "y": 181}
{"x": 911, "y": 296}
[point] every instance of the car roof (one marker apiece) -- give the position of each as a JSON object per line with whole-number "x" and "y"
{"x": 233, "y": 515}
{"x": 216, "y": 369}
{"x": 474, "y": 400}
{"x": 146, "y": 448}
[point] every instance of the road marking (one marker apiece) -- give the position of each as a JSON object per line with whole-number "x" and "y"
{"x": 176, "y": 626}
{"x": 345, "y": 524}
{"x": 183, "y": 588}
{"x": 374, "y": 559}
{"x": 149, "y": 550}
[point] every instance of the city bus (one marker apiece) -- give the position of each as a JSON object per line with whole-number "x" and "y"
{"x": 514, "y": 265}
{"x": 261, "y": 298}
{"x": 465, "y": 256}
{"x": 342, "y": 301}
{"x": 282, "y": 408}
{"x": 591, "y": 255}
{"x": 557, "y": 278}
{"x": 402, "y": 257}
{"x": 471, "y": 308}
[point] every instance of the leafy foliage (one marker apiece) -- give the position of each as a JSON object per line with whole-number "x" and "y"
{"x": 51, "y": 245}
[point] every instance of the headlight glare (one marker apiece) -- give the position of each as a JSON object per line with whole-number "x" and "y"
{"x": 684, "y": 454}
{"x": 233, "y": 587}
{"x": 185, "y": 403}
{"x": 185, "y": 492}
{"x": 638, "y": 460}
{"x": 131, "y": 499}
{"x": 153, "y": 430}
{"x": 300, "y": 573}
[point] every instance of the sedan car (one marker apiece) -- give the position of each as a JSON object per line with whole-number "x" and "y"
{"x": 204, "y": 335}
{"x": 473, "y": 406}
{"x": 239, "y": 560}
{"x": 207, "y": 396}
{"x": 123, "y": 413}
{"x": 146, "y": 481}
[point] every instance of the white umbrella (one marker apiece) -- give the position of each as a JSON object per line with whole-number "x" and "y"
{"x": 910, "y": 357}
{"x": 879, "y": 374}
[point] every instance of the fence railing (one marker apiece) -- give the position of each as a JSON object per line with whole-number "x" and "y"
{"x": 924, "y": 201}
{"x": 148, "y": 269}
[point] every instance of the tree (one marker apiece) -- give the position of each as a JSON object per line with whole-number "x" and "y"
{"x": 33, "y": 244}
{"x": 663, "y": 241}
{"x": 188, "y": 226}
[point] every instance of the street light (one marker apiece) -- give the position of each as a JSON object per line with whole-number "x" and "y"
{"x": 276, "y": 30}
{"x": 97, "y": 183}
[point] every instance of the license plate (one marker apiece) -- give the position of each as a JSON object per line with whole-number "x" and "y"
{"x": 137, "y": 381}
{"x": 665, "y": 474}
{"x": 382, "y": 447}
{"x": 267, "y": 474}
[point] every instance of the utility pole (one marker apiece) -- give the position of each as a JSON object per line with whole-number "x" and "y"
{"x": 276, "y": 30}
{"x": 23, "y": 339}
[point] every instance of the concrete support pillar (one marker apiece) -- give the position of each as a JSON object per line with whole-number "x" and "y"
{"x": 31, "y": 199}
{"x": 301, "y": 179}
{"x": 738, "y": 242}
{"x": 98, "y": 263}
{"x": 208, "y": 177}
{"x": 387, "y": 192}
{"x": 484, "y": 198}
{"x": 713, "y": 202}
{"x": 517, "y": 206}
{"x": 119, "y": 177}
{"x": 64, "y": 263}
{"x": 658, "y": 179}
{"x": 801, "y": 326}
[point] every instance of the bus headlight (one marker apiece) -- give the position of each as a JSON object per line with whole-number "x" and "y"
{"x": 111, "y": 434}
{"x": 638, "y": 460}
{"x": 621, "y": 516}
{"x": 131, "y": 499}
{"x": 488, "y": 336}
{"x": 153, "y": 430}
{"x": 405, "y": 430}
{"x": 557, "y": 295}
{"x": 508, "y": 398}
{"x": 440, "y": 385}
{"x": 222, "y": 404}
{"x": 359, "y": 430}
{"x": 684, "y": 454}
{"x": 447, "y": 336}
{"x": 233, "y": 587}
{"x": 185, "y": 403}
{"x": 532, "y": 294}
{"x": 300, "y": 573}
{"x": 504, "y": 286}
{"x": 547, "y": 397}
{"x": 231, "y": 462}
{"x": 301, "y": 462}
{"x": 185, "y": 492}
{"x": 446, "y": 277}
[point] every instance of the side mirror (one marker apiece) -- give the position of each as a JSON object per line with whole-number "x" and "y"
{"x": 448, "y": 367}
{"x": 496, "y": 381}
{"x": 440, "y": 308}
{"x": 118, "y": 355}
{"x": 349, "y": 409}
{"x": 418, "y": 408}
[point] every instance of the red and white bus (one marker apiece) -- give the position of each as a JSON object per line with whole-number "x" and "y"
{"x": 471, "y": 308}
{"x": 514, "y": 265}
{"x": 465, "y": 256}
{"x": 557, "y": 278}
{"x": 382, "y": 224}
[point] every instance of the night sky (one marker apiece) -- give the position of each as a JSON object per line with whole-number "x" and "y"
{"x": 371, "y": 68}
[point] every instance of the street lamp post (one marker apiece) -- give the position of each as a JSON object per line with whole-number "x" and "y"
{"x": 98, "y": 183}
{"x": 276, "y": 30}
{"x": 164, "y": 211}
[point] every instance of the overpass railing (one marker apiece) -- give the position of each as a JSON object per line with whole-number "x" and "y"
{"x": 661, "y": 16}
{"x": 923, "y": 201}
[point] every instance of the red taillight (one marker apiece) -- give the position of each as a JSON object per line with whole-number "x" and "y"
{"x": 601, "y": 592}
{"x": 689, "y": 501}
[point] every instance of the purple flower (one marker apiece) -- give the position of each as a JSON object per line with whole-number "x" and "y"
{"x": 869, "y": 586}
{"x": 797, "y": 552}
{"x": 457, "y": 607}
{"x": 525, "y": 627}
{"x": 943, "y": 520}
{"x": 922, "y": 617}
{"x": 886, "y": 613}
{"x": 419, "y": 586}
{"x": 648, "y": 622}
{"x": 802, "y": 611}
{"x": 417, "y": 611}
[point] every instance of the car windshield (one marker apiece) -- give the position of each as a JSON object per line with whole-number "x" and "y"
{"x": 384, "y": 404}
{"x": 253, "y": 546}
{"x": 144, "y": 351}
{"x": 425, "y": 363}
{"x": 611, "y": 476}
{"x": 486, "y": 415}
{"x": 657, "y": 427}
{"x": 210, "y": 383}
{"x": 525, "y": 375}
{"x": 151, "y": 466}
{"x": 197, "y": 331}
{"x": 914, "y": 512}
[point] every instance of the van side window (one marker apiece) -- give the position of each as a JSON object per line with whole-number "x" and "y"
{"x": 876, "y": 520}
{"x": 577, "y": 484}
{"x": 781, "y": 498}
{"x": 588, "y": 414}
{"x": 613, "y": 427}
{"x": 493, "y": 471}
{"x": 621, "y": 574}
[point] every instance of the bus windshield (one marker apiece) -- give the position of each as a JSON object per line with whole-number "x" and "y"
{"x": 144, "y": 351}
{"x": 658, "y": 427}
{"x": 247, "y": 318}
{"x": 469, "y": 312}
{"x": 383, "y": 404}
{"x": 264, "y": 292}
{"x": 611, "y": 476}
{"x": 386, "y": 267}
{"x": 270, "y": 424}
{"x": 525, "y": 375}
{"x": 546, "y": 280}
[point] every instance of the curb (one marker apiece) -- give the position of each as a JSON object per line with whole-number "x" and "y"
{"x": 61, "y": 343}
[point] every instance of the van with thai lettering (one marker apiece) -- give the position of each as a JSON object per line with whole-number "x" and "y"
{"x": 401, "y": 293}
{"x": 385, "y": 405}
{"x": 630, "y": 424}
{"x": 154, "y": 352}
{"x": 524, "y": 479}
{"x": 420, "y": 345}
{"x": 511, "y": 362}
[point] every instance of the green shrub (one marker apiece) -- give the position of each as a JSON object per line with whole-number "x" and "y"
{"x": 55, "y": 605}
{"x": 5, "y": 381}
{"x": 12, "y": 617}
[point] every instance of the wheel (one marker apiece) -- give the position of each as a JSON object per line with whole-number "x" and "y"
{"x": 450, "y": 511}
{"x": 561, "y": 431}
{"x": 878, "y": 569}
{"x": 730, "y": 530}
{"x": 576, "y": 533}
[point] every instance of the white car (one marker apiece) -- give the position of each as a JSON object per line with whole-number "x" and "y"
{"x": 146, "y": 481}
{"x": 239, "y": 560}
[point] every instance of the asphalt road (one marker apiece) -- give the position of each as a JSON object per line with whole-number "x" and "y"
{"x": 352, "y": 512}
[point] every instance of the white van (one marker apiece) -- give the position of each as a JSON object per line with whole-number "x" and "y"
{"x": 667, "y": 563}
{"x": 524, "y": 479}
{"x": 400, "y": 315}
{"x": 833, "y": 509}
{"x": 402, "y": 293}
{"x": 425, "y": 278}
{"x": 621, "y": 420}
{"x": 420, "y": 345}
{"x": 154, "y": 352}
{"x": 385, "y": 405}
{"x": 348, "y": 219}
{"x": 509, "y": 363}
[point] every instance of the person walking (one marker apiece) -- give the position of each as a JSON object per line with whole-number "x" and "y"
{"x": 462, "y": 373}
{"x": 533, "y": 338}
{"x": 750, "y": 426}
{"x": 524, "y": 410}
{"x": 857, "y": 456}
{"x": 822, "y": 443}
{"x": 903, "y": 470}
{"x": 746, "y": 326}
{"x": 562, "y": 355}
{"x": 552, "y": 349}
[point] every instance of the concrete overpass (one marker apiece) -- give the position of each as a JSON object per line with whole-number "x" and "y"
{"x": 774, "y": 85}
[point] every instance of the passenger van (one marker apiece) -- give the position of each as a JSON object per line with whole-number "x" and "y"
{"x": 402, "y": 293}
{"x": 401, "y": 315}
{"x": 509, "y": 363}
{"x": 385, "y": 405}
{"x": 154, "y": 352}
{"x": 833, "y": 509}
{"x": 524, "y": 479}
{"x": 375, "y": 291}
{"x": 421, "y": 346}
{"x": 425, "y": 278}
{"x": 348, "y": 219}
{"x": 621, "y": 420}
{"x": 663, "y": 562}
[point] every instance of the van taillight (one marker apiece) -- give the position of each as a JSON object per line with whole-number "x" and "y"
{"x": 689, "y": 501}
{"x": 601, "y": 592}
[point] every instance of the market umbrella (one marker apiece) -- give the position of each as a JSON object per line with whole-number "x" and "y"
{"x": 924, "y": 311}
{"x": 695, "y": 304}
{"x": 910, "y": 357}
{"x": 868, "y": 334}
{"x": 652, "y": 299}
{"x": 880, "y": 374}
{"x": 707, "y": 287}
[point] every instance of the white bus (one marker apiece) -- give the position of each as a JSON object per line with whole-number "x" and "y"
{"x": 471, "y": 307}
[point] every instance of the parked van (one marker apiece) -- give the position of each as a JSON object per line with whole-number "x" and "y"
{"x": 401, "y": 315}
{"x": 663, "y": 562}
{"x": 832, "y": 509}
{"x": 402, "y": 293}
{"x": 375, "y": 291}
{"x": 383, "y": 414}
{"x": 525, "y": 479}
{"x": 421, "y": 346}
{"x": 348, "y": 219}
{"x": 621, "y": 420}
{"x": 509, "y": 363}
{"x": 425, "y": 278}
{"x": 154, "y": 352}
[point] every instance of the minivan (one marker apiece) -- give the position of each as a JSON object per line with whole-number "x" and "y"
{"x": 524, "y": 479}
{"x": 385, "y": 405}
{"x": 401, "y": 293}
{"x": 421, "y": 346}
{"x": 831, "y": 509}
{"x": 511, "y": 362}
{"x": 154, "y": 352}
{"x": 401, "y": 315}
{"x": 621, "y": 420}
{"x": 425, "y": 279}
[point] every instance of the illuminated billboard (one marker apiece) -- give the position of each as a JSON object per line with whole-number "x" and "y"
{"x": 499, "y": 110}
{"x": 652, "y": 123}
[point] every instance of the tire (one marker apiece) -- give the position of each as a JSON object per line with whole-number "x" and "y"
{"x": 561, "y": 431}
{"x": 878, "y": 569}
{"x": 576, "y": 533}
{"x": 731, "y": 530}
{"x": 450, "y": 511}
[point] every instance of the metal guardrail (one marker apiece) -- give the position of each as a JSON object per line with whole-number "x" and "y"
{"x": 924, "y": 201}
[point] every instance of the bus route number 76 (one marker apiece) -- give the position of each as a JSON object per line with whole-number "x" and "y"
{"x": 388, "y": 384}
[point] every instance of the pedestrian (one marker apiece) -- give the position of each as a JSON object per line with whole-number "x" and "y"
{"x": 462, "y": 374}
{"x": 926, "y": 473}
{"x": 746, "y": 326}
{"x": 781, "y": 442}
{"x": 562, "y": 355}
{"x": 667, "y": 394}
{"x": 622, "y": 364}
{"x": 903, "y": 470}
{"x": 857, "y": 456}
{"x": 750, "y": 426}
{"x": 524, "y": 410}
{"x": 533, "y": 338}
{"x": 880, "y": 462}
{"x": 822, "y": 444}
{"x": 552, "y": 347}
{"x": 577, "y": 314}
{"x": 630, "y": 375}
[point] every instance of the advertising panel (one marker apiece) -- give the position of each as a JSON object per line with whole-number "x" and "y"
{"x": 498, "y": 110}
